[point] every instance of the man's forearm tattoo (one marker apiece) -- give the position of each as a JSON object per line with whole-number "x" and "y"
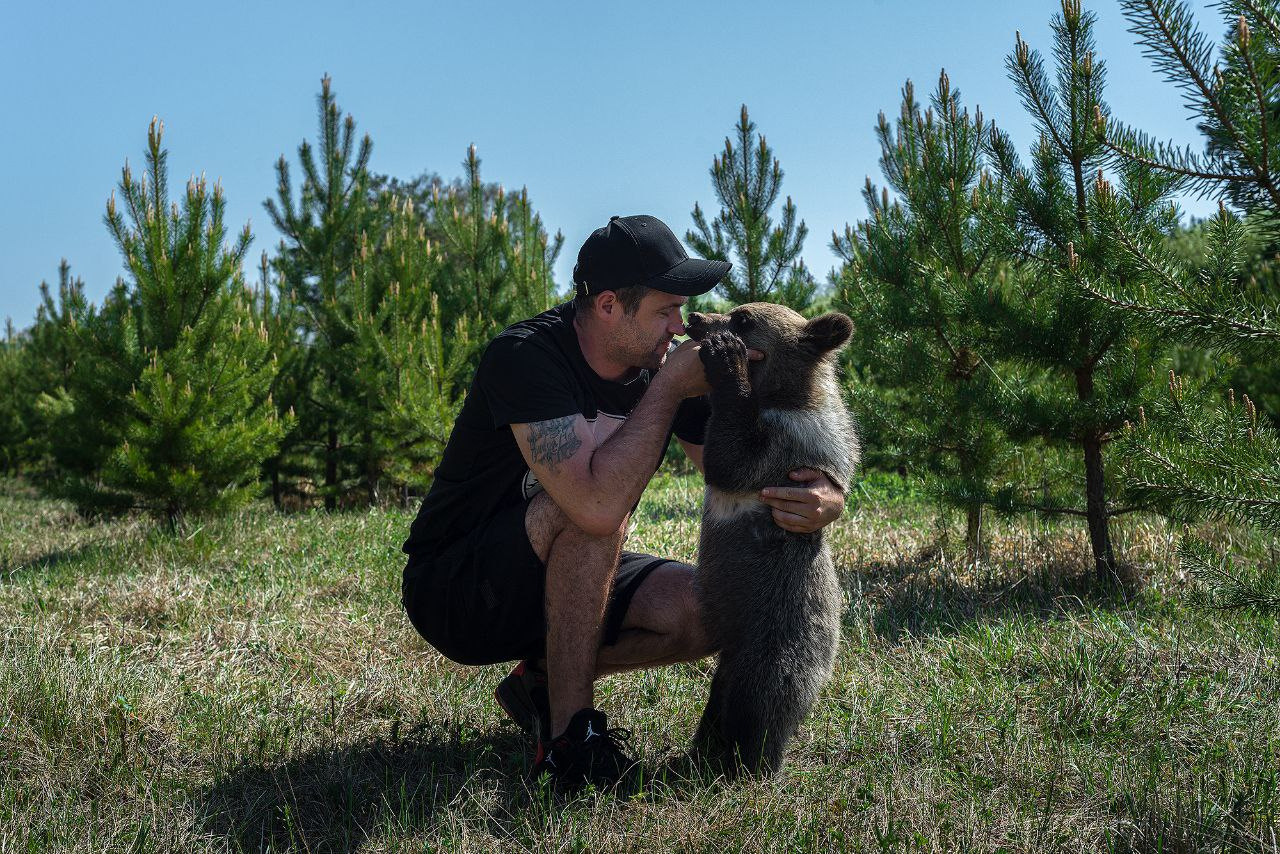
{"x": 552, "y": 442}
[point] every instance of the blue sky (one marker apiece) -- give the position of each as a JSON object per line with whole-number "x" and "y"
{"x": 597, "y": 108}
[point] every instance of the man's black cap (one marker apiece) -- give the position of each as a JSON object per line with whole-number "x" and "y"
{"x": 641, "y": 250}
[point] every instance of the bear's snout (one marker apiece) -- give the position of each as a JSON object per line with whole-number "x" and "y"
{"x": 699, "y": 325}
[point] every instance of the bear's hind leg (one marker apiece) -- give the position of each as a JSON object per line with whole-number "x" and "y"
{"x": 709, "y": 742}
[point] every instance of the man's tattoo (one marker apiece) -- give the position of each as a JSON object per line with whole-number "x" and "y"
{"x": 552, "y": 442}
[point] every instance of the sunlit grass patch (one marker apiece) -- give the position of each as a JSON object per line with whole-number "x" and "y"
{"x": 251, "y": 684}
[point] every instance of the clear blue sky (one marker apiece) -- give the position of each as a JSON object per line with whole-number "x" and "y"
{"x": 597, "y": 108}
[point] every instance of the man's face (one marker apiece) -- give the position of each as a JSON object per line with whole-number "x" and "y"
{"x": 642, "y": 338}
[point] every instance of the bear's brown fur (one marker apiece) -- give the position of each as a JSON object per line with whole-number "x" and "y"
{"x": 770, "y": 597}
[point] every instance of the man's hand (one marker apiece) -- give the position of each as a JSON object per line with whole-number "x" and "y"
{"x": 810, "y": 506}
{"x": 684, "y": 370}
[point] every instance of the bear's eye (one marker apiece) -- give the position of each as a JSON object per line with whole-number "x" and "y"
{"x": 743, "y": 321}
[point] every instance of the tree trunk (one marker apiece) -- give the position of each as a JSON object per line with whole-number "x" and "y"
{"x": 1096, "y": 506}
{"x": 1095, "y": 487}
{"x": 331, "y": 470}
{"x": 371, "y": 474}
{"x": 973, "y": 532}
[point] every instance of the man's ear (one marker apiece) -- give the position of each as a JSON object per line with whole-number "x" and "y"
{"x": 607, "y": 303}
{"x": 827, "y": 332}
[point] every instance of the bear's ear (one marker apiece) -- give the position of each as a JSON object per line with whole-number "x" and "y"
{"x": 827, "y": 332}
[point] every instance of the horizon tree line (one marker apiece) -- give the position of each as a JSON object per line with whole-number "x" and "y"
{"x": 1037, "y": 332}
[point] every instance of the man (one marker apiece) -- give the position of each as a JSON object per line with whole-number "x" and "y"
{"x": 516, "y": 553}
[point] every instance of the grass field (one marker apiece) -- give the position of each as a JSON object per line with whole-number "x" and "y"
{"x": 252, "y": 684}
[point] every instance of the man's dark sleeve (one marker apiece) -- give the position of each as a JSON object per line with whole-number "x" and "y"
{"x": 691, "y": 419}
{"x": 523, "y": 383}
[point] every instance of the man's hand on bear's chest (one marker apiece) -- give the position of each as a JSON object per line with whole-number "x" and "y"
{"x": 724, "y": 357}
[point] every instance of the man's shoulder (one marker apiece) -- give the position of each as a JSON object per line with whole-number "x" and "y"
{"x": 534, "y": 359}
{"x": 555, "y": 322}
{"x": 545, "y": 332}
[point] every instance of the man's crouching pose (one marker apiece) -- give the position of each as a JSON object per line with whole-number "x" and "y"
{"x": 516, "y": 553}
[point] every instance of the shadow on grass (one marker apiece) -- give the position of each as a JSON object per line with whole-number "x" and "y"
{"x": 337, "y": 800}
{"x": 921, "y": 596}
{"x": 50, "y": 561}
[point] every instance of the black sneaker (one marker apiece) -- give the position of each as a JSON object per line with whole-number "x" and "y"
{"x": 588, "y": 752}
{"x": 522, "y": 694}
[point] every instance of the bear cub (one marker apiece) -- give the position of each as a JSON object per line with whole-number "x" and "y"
{"x": 770, "y": 597}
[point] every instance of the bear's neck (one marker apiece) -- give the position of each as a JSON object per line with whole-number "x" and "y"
{"x": 811, "y": 391}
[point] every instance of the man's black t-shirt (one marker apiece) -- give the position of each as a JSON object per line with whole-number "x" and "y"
{"x": 533, "y": 371}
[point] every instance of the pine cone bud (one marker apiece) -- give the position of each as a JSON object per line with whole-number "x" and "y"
{"x": 1242, "y": 33}
{"x": 1021, "y": 51}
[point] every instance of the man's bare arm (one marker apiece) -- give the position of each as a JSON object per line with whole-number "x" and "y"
{"x": 694, "y": 453}
{"x": 552, "y": 442}
{"x": 597, "y": 485}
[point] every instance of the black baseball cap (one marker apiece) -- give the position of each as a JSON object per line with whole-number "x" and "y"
{"x": 641, "y": 250}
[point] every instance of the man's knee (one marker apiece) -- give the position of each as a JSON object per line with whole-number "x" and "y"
{"x": 546, "y": 524}
{"x": 667, "y": 602}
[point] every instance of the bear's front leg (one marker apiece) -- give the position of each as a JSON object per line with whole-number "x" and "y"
{"x": 735, "y": 437}
{"x": 724, "y": 358}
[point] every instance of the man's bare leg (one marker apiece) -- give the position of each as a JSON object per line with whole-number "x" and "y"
{"x": 663, "y": 624}
{"x": 580, "y": 571}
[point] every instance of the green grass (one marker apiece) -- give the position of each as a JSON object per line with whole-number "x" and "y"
{"x": 252, "y": 684}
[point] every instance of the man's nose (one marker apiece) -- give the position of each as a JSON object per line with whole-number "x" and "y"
{"x": 677, "y": 325}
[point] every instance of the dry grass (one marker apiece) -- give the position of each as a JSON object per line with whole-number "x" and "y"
{"x": 253, "y": 685}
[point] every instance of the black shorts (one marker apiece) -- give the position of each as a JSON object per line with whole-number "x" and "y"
{"x": 480, "y": 601}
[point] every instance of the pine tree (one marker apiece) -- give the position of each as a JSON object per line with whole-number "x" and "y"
{"x": 13, "y": 430}
{"x": 322, "y": 232}
{"x": 767, "y": 266}
{"x": 405, "y": 374}
{"x": 497, "y": 258}
{"x": 912, "y": 273}
{"x": 275, "y": 307}
{"x": 1193, "y": 455}
{"x": 170, "y": 395}
{"x": 48, "y": 358}
{"x": 1096, "y": 369}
